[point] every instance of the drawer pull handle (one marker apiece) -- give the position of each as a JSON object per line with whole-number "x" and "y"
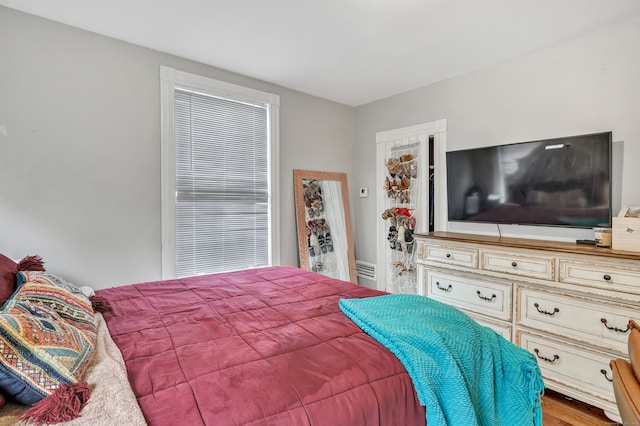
{"x": 555, "y": 357}
{"x": 447, "y": 288}
{"x": 448, "y": 255}
{"x": 607, "y": 277}
{"x": 604, "y": 373}
{"x": 604, "y": 321}
{"x": 514, "y": 264}
{"x": 488, "y": 299}
{"x": 555, "y": 310}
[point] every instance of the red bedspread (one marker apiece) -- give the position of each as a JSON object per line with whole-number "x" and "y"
{"x": 256, "y": 347}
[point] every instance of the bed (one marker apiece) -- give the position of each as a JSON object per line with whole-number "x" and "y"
{"x": 262, "y": 346}
{"x": 266, "y": 346}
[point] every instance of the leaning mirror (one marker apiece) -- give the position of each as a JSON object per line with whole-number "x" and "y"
{"x": 323, "y": 221}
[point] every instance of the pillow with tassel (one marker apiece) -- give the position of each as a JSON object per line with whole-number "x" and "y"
{"x": 47, "y": 342}
{"x": 52, "y": 292}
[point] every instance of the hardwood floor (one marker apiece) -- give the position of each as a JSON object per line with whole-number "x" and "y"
{"x": 558, "y": 410}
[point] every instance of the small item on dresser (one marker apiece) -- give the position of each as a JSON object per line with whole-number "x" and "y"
{"x": 626, "y": 229}
{"x": 602, "y": 236}
{"x": 587, "y": 242}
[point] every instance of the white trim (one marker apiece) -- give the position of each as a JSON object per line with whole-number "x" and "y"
{"x": 440, "y": 220}
{"x": 219, "y": 88}
{"x": 170, "y": 79}
{"x": 274, "y": 187}
{"x": 168, "y": 172}
{"x": 432, "y": 128}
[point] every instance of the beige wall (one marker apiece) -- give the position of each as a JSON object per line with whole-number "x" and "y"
{"x": 588, "y": 85}
{"x": 80, "y": 149}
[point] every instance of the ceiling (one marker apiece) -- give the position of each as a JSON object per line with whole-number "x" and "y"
{"x": 348, "y": 51}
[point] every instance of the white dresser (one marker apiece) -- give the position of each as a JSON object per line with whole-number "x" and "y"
{"x": 568, "y": 304}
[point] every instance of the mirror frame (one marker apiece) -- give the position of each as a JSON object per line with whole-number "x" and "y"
{"x": 298, "y": 177}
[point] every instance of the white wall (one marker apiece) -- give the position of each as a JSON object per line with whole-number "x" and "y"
{"x": 591, "y": 84}
{"x": 80, "y": 150}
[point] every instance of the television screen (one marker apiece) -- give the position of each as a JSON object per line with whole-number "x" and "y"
{"x": 555, "y": 182}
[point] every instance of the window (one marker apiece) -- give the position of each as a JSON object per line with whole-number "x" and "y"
{"x": 219, "y": 168}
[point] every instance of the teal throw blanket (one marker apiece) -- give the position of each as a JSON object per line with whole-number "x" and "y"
{"x": 463, "y": 373}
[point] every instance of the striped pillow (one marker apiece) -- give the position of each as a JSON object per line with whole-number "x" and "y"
{"x": 55, "y": 293}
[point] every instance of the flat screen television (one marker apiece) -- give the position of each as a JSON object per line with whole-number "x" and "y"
{"x": 555, "y": 182}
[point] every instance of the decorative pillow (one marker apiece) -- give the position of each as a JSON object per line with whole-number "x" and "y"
{"x": 8, "y": 270}
{"x": 47, "y": 278}
{"x": 50, "y": 291}
{"x": 47, "y": 338}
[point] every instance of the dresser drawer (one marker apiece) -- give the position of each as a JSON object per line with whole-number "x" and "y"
{"x": 531, "y": 266}
{"x": 501, "y": 329}
{"x": 488, "y": 298}
{"x": 451, "y": 255}
{"x": 584, "y": 370}
{"x": 611, "y": 277}
{"x": 597, "y": 322}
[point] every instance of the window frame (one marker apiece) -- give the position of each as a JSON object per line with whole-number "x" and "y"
{"x": 170, "y": 79}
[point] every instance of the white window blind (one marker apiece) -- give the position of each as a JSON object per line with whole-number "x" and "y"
{"x": 219, "y": 170}
{"x": 222, "y": 184}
